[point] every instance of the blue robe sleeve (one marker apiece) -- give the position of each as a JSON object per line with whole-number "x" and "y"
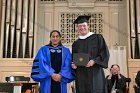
{"x": 66, "y": 70}
{"x": 41, "y": 68}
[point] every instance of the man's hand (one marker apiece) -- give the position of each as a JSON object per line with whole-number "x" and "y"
{"x": 73, "y": 66}
{"x": 90, "y": 63}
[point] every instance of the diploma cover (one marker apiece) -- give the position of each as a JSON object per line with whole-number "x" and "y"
{"x": 80, "y": 59}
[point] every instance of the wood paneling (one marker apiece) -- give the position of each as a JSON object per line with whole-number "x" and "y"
{"x": 15, "y": 67}
{"x": 133, "y": 67}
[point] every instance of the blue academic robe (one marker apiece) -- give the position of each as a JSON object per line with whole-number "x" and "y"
{"x": 42, "y": 70}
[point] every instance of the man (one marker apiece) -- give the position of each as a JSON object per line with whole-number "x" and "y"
{"x": 52, "y": 66}
{"x": 116, "y": 82}
{"x": 137, "y": 80}
{"x": 90, "y": 78}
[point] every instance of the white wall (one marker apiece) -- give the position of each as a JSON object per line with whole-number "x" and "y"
{"x": 114, "y": 26}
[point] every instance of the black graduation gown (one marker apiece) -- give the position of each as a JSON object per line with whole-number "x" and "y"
{"x": 137, "y": 79}
{"x": 91, "y": 80}
{"x": 56, "y": 62}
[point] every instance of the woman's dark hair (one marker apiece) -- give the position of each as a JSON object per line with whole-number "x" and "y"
{"x": 114, "y": 65}
{"x": 55, "y": 31}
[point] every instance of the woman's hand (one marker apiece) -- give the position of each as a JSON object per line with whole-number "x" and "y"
{"x": 56, "y": 77}
{"x": 119, "y": 76}
{"x": 113, "y": 91}
{"x": 110, "y": 75}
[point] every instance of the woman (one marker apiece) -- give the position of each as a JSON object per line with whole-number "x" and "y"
{"x": 52, "y": 66}
{"x": 116, "y": 82}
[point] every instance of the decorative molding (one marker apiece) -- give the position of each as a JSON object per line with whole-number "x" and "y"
{"x": 81, "y": 3}
{"x": 74, "y": 4}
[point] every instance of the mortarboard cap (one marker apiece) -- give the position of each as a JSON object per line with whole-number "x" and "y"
{"x": 82, "y": 19}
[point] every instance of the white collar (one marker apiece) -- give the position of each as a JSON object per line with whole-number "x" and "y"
{"x": 85, "y": 36}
